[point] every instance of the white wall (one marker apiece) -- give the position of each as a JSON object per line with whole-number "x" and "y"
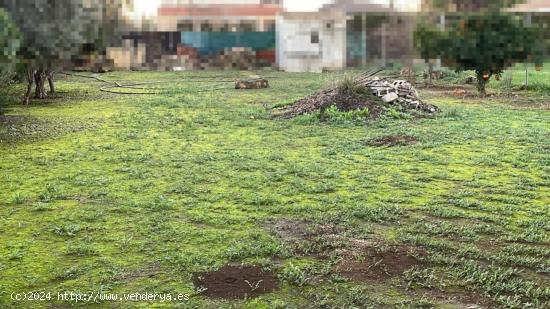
{"x": 304, "y": 5}
{"x": 315, "y": 5}
{"x": 296, "y": 52}
{"x": 210, "y": 2}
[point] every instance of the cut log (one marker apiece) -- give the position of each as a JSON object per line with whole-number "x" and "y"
{"x": 256, "y": 83}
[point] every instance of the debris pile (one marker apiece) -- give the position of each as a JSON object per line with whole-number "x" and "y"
{"x": 241, "y": 58}
{"x": 398, "y": 92}
{"x": 364, "y": 91}
{"x": 189, "y": 58}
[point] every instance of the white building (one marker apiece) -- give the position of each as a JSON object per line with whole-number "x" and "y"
{"x": 333, "y": 34}
{"x": 311, "y": 41}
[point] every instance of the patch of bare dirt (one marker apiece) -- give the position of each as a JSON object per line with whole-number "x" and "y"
{"x": 378, "y": 263}
{"x": 370, "y": 260}
{"x": 392, "y": 140}
{"x": 359, "y": 259}
{"x": 235, "y": 282}
{"x": 310, "y": 239}
{"x": 288, "y": 230}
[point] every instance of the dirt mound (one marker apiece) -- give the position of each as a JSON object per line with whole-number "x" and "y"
{"x": 392, "y": 140}
{"x": 364, "y": 91}
{"x": 235, "y": 282}
{"x": 343, "y": 102}
{"x": 378, "y": 263}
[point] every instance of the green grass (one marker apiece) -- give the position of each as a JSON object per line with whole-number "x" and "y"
{"x": 135, "y": 193}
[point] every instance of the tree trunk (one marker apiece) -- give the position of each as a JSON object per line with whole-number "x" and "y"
{"x": 481, "y": 83}
{"x": 30, "y": 81}
{"x": 430, "y": 73}
{"x": 39, "y": 80}
{"x": 50, "y": 75}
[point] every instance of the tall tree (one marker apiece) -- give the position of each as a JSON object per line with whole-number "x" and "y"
{"x": 56, "y": 30}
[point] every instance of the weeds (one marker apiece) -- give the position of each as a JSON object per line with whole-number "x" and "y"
{"x": 294, "y": 275}
{"x": 97, "y": 183}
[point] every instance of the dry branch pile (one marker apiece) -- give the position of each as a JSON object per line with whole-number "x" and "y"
{"x": 364, "y": 91}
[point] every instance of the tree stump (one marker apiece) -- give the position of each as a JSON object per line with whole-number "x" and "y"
{"x": 255, "y": 83}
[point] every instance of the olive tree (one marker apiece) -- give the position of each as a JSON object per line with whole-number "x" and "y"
{"x": 10, "y": 41}
{"x": 55, "y": 32}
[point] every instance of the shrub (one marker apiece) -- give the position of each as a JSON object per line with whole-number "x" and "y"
{"x": 349, "y": 87}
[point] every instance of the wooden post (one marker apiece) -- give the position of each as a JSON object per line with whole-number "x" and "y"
{"x": 364, "y": 39}
{"x": 384, "y": 45}
{"x": 528, "y": 20}
{"x": 442, "y": 23}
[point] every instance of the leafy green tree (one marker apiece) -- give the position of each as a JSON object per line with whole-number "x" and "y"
{"x": 486, "y": 43}
{"x": 55, "y": 32}
{"x": 10, "y": 41}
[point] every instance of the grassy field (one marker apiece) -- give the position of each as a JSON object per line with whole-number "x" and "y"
{"x": 115, "y": 193}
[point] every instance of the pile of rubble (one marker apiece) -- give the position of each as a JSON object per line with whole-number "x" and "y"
{"x": 383, "y": 93}
{"x": 189, "y": 58}
{"x": 398, "y": 92}
{"x": 241, "y": 58}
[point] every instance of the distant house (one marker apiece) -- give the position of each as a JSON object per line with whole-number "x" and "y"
{"x": 311, "y": 41}
{"x": 346, "y": 33}
{"x": 197, "y": 34}
{"x": 221, "y": 16}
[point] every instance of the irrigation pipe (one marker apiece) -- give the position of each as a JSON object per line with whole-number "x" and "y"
{"x": 115, "y": 84}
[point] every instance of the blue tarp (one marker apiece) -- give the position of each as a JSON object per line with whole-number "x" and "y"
{"x": 214, "y": 42}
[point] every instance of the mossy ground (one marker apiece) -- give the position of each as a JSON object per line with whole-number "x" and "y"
{"x": 136, "y": 193}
